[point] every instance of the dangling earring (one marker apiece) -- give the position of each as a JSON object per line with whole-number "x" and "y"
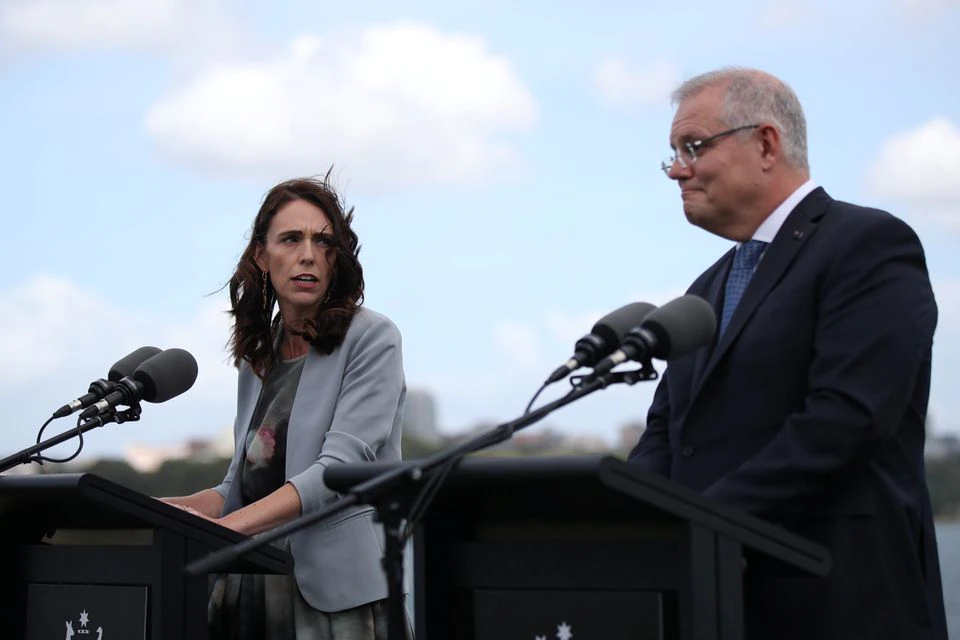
{"x": 266, "y": 295}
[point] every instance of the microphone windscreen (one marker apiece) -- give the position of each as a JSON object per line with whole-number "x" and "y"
{"x": 613, "y": 326}
{"x": 681, "y": 326}
{"x": 166, "y": 375}
{"x": 125, "y": 366}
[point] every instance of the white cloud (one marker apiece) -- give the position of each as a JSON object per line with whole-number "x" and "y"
{"x": 621, "y": 85}
{"x": 392, "y": 105}
{"x": 567, "y": 328}
{"x": 58, "y": 338}
{"x": 547, "y": 341}
{"x": 786, "y": 14}
{"x": 925, "y": 9}
{"x": 44, "y": 321}
{"x": 560, "y": 330}
{"x": 922, "y": 168}
{"x": 519, "y": 345}
{"x": 177, "y": 27}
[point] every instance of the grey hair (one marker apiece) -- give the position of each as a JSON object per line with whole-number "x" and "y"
{"x": 751, "y": 96}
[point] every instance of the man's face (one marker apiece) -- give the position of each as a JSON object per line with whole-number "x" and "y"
{"x": 720, "y": 187}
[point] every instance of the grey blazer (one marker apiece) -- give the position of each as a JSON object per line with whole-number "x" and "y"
{"x": 348, "y": 408}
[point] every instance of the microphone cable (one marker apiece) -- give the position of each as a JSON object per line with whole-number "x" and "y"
{"x": 534, "y": 398}
{"x": 39, "y": 458}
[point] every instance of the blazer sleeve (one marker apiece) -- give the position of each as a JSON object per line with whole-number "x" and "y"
{"x": 367, "y": 410}
{"x": 873, "y": 337}
{"x": 652, "y": 452}
{"x": 224, "y": 487}
{"x": 248, "y": 387}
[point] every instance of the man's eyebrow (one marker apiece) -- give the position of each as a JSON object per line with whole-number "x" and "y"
{"x": 687, "y": 137}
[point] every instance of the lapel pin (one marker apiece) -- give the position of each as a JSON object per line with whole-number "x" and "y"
{"x": 798, "y": 235}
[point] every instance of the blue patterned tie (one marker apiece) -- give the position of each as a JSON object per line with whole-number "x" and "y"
{"x": 744, "y": 263}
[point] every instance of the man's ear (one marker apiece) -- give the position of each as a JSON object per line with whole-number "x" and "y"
{"x": 771, "y": 146}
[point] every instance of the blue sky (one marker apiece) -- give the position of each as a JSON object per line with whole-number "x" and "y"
{"x": 503, "y": 161}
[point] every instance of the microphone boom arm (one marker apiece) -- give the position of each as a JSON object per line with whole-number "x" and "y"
{"x": 28, "y": 455}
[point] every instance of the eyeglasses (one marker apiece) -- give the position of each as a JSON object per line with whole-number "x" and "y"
{"x": 686, "y": 155}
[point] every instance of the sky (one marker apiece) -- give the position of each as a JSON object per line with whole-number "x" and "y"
{"x": 502, "y": 158}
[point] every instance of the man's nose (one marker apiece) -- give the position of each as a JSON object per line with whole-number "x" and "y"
{"x": 678, "y": 171}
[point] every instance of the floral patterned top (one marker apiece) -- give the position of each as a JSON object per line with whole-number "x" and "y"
{"x": 264, "y": 466}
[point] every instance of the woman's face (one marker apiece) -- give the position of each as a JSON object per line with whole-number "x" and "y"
{"x": 299, "y": 258}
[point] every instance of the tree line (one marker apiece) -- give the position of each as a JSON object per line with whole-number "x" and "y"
{"x": 182, "y": 477}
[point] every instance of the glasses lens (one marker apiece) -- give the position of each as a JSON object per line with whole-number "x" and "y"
{"x": 682, "y": 157}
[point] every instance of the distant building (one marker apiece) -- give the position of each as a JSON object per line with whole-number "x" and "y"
{"x": 420, "y": 417}
{"x": 587, "y": 444}
{"x": 24, "y": 470}
{"x": 148, "y": 458}
{"x": 536, "y": 441}
{"x": 629, "y": 435}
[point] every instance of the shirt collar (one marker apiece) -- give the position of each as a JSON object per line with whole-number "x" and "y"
{"x": 768, "y": 230}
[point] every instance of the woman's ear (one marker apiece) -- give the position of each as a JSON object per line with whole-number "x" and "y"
{"x": 259, "y": 258}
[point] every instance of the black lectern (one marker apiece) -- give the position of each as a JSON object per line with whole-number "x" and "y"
{"x": 584, "y": 547}
{"x": 86, "y": 558}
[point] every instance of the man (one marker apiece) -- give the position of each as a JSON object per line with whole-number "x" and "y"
{"x": 808, "y": 410}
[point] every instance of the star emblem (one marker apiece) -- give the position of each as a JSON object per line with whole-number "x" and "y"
{"x": 84, "y": 618}
{"x": 564, "y": 631}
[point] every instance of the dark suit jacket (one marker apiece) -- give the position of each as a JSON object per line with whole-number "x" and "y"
{"x": 809, "y": 412}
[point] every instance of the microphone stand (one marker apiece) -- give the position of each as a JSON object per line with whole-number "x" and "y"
{"x": 390, "y": 492}
{"x": 29, "y": 454}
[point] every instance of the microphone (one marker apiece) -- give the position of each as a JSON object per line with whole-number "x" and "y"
{"x": 603, "y": 338}
{"x": 99, "y": 388}
{"x": 674, "y": 330}
{"x": 164, "y": 376}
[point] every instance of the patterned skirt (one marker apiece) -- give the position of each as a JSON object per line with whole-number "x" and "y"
{"x": 253, "y": 606}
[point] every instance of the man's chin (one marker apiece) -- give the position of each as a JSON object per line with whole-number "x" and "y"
{"x": 706, "y": 220}
{"x": 695, "y": 215}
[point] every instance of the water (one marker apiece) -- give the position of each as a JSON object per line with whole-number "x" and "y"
{"x": 948, "y": 544}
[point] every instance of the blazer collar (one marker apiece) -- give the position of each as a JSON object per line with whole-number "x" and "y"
{"x": 712, "y": 292}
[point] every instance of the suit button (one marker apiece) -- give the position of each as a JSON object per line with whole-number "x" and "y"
{"x": 687, "y": 451}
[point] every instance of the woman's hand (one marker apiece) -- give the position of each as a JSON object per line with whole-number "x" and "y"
{"x": 193, "y": 511}
{"x": 207, "y": 503}
{"x": 266, "y": 513}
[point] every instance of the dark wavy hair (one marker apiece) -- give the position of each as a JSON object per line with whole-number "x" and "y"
{"x": 255, "y": 328}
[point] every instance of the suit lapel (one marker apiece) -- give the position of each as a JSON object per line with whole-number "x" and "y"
{"x": 712, "y": 293}
{"x": 248, "y": 395}
{"x": 796, "y": 231}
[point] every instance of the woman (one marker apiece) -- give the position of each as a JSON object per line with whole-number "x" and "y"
{"x": 321, "y": 382}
